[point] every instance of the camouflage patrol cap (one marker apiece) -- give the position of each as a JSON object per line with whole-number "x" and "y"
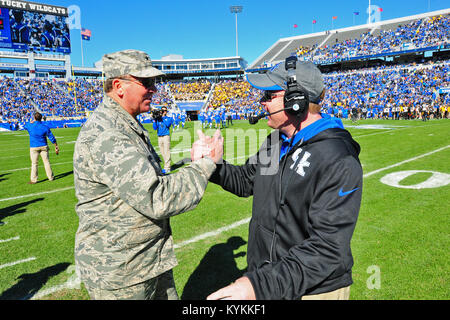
{"x": 133, "y": 62}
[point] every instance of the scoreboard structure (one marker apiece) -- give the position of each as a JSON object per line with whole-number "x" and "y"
{"x": 28, "y": 26}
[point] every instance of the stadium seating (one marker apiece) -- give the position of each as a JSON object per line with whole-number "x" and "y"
{"x": 374, "y": 88}
{"x": 235, "y": 93}
{"x": 405, "y": 86}
{"x": 422, "y": 33}
{"x": 190, "y": 91}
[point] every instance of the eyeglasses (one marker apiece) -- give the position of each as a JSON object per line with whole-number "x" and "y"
{"x": 147, "y": 83}
{"x": 270, "y": 95}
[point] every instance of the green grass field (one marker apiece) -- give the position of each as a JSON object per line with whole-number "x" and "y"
{"x": 400, "y": 245}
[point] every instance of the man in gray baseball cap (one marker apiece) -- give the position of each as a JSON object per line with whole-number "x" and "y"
{"x": 124, "y": 245}
{"x": 308, "y": 76}
{"x": 306, "y": 183}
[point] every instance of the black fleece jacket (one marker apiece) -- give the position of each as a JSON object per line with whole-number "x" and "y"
{"x": 305, "y": 209}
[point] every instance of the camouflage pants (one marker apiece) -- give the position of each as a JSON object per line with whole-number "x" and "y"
{"x": 161, "y": 287}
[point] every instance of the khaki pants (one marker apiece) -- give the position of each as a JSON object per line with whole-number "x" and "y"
{"x": 340, "y": 294}
{"x": 161, "y": 287}
{"x": 164, "y": 147}
{"x": 34, "y": 155}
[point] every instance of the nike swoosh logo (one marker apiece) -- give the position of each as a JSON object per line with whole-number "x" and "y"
{"x": 343, "y": 194}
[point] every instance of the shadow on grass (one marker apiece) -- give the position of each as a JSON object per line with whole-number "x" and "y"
{"x": 30, "y": 283}
{"x": 59, "y": 176}
{"x": 16, "y": 209}
{"x": 216, "y": 270}
{"x": 63, "y": 175}
{"x": 3, "y": 175}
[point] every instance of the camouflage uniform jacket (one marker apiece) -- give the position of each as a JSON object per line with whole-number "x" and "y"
{"x": 124, "y": 201}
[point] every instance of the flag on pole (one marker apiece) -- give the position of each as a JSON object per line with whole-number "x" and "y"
{"x": 314, "y": 21}
{"x": 335, "y": 17}
{"x": 356, "y": 13}
{"x": 380, "y": 9}
{"x": 295, "y": 26}
{"x": 86, "y": 34}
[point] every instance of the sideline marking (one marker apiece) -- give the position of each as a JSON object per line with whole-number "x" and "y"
{"x": 40, "y": 166}
{"x": 37, "y": 194}
{"x": 365, "y": 176}
{"x": 405, "y": 161}
{"x": 392, "y": 131}
{"x": 73, "y": 282}
{"x": 12, "y": 239}
{"x": 212, "y": 233}
{"x": 16, "y": 262}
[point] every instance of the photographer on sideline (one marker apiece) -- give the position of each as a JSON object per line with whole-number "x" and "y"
{"x": 162, "y": 124}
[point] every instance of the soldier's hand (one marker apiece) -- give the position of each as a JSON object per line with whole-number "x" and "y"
{"x": 216, "y": 145}
{"x": 200, "y": 150}
{"x": 208, "y": 147}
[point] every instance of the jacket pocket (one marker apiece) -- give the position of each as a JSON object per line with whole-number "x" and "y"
{"x": 266, "y": 242}
{"x": 144, "y": 233}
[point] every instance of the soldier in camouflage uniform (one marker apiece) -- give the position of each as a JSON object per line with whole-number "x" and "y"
{"x": 124, "y": 245}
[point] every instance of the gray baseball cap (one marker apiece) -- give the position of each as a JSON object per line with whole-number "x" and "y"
{"x": 308, "y": 75}
{"x": 133, "y": 62}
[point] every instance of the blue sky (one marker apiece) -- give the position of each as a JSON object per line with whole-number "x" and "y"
{"x": 199, "y": 29}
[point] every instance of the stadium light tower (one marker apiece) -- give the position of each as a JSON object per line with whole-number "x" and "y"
{"x": 236, "y": 10}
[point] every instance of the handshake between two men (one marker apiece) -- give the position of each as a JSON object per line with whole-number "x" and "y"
{"x": 211, "y": 147}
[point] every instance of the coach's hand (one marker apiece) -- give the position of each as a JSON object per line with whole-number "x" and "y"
{"x": 242, "y": 289}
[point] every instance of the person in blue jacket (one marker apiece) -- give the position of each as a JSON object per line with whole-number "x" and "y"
{"x": 162, "y": 126}
{"x": 201, "y": 118}
{"x": 39, "y": 133}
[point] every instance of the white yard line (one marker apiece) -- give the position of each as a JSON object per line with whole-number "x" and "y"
{"x": 12, "y": 239}
{"x": 391, "y": 131}
{"x": 40, "y": 166}
{"x": 74, "y": 282}
{"x": 37, "y": 194}
{"x": 212, "y": 233}
{"x": 365, "y": 176}
{"x": 11, "y": 157}
{"x": 405, "y": 161}
{"x": 16, "y": 262}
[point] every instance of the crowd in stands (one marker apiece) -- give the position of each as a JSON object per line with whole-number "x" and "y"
{"x": 381, "y": 92}
{"x": 14, "y": 103}
{"x": 422, "y": 33}
{"x": 50, "y": 100}
{"x": 237, "y": 93}
{"x": 162, "y": 97}
{"x": 190, "y": 91}
{"x": 386, "y": 89}
{"x": 84, "y": 95}
{"x": 370, "y": 91}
